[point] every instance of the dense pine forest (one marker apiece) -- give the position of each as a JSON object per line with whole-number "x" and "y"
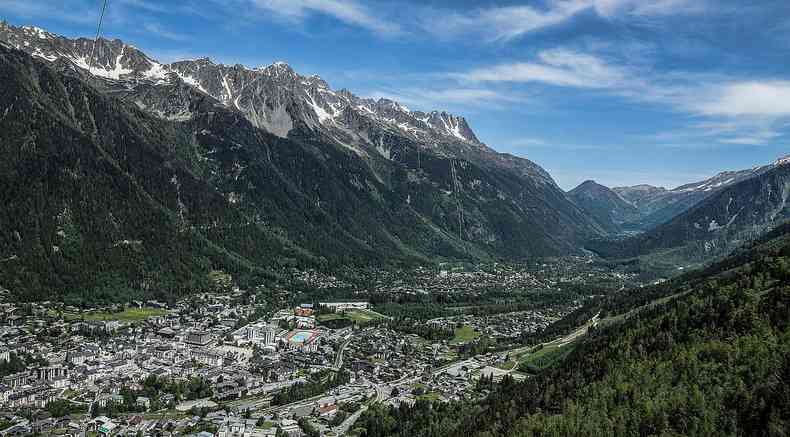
{"x": 707, "y": 354}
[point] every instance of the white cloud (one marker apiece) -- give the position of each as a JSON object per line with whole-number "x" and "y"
{"x": 559, "y": 67}
{"x": 755, "y": 98}
{"x": 724, "y": 110}
{"x": 347, "y": 11}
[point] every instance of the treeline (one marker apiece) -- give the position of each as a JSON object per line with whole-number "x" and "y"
{"x": 154, "y": 388}
{"x": 20, "y": 362}
{"x": 427, "y": 331}
{"x": 318, "y": 383}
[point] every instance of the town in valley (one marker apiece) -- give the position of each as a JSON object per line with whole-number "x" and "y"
{"x": 232, "y": 362}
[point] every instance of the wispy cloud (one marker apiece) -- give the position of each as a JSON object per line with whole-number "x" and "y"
{"x": 612, "y": 8}
{"x": 560, "y": 67}
{"x": 723, "y": 109}
{"x": 157, "y": 29}
{"x": 148, "y": 6}
{"x": 503, "y": 23}
{"x": 348, "y": 11}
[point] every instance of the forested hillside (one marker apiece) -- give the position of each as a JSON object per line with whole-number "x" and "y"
{"x": 118, "y": 189}
{"x": 711, "y": 357}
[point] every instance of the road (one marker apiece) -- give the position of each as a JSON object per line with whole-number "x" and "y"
{"x": 255, "y": 403}
{"x": 343, "y": 428}
{"x": 382, "y": 390}
{"x": 339, "y": 355}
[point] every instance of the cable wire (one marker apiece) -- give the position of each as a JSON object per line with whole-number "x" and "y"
{"x": 96, "y": 40}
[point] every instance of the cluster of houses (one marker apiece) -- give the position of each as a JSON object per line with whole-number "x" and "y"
{"x": 87, "y": 361}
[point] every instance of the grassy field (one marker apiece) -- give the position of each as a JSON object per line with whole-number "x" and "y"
{"x": 464, "y": 334}
{"x": 362, "y": 316}
{"x": 357, "y": 316}
{"x": 507, "y": 365}
{"x": 430, "y": 396}
{"x": 329, "y": 316}
{"x": 127, "y": 315}
{"x": 545, "y": 357}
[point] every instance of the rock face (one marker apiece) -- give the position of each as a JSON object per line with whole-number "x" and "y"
{"x": 137, "y": 176}
{"x": 658, "y": 205}
{"x": 607, "y": 207}
{"x": 739, "y": 212}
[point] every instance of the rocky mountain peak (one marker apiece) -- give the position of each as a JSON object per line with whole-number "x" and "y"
{"x": 275, "y": 97}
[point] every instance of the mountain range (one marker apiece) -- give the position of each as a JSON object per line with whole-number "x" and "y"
{"x": 128, "y": 174}
{"x": 728, "y": 215}
{"x": 657, "y": 205}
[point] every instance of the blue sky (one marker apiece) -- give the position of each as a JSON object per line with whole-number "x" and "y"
{"x": 621, "y": 91}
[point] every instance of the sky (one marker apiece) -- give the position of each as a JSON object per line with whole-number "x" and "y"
{"x": 623, "y": 92}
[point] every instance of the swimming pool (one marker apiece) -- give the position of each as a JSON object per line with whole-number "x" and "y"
{"x": 301, "y": 336}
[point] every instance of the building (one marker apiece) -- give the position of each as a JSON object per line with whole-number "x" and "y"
{"x": 208, "y": 357}
{"x": 5, "y": 354}
{"x": 290, "y": 428}
{"x": 345, "y": 306}
{"x": 304, "y": 310}
{"x": 305, "y": 322}
{"x": 78, "y": 358}
{"x": 5, "y": 392}
{"x": 262, "y": 333}
{"x": 104, "y": 425}
{"x": 51, "y": 373}
{"x": 198, "y": 338}
{"x": 17, "y": 379}
{"x": 303, "y": 340}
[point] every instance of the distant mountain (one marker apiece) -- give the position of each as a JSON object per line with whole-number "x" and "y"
{"x": 739, "y": 212}
{"x": 606, "y": 206}
{"x": 657, "y": 205}
{"x": 139, "y": 177}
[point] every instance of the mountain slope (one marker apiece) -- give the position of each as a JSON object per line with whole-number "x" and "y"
{"x": 100, "y": 201}
{"x": 609, "y": 209}
{"x": 738, "y": 213}
{"x": 359, "y": 188}
{"x": 709, "y": 356}
{"x": 658, "y": 205}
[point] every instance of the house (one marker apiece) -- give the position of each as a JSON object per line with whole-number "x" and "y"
{"x": 290, "y": 428}
{"x": 327, "y": 411}
{"x": 167, "y": 399}
{"x": 304, "y": 310}
{"x": 144, "y": 402}
{"x": 198, "y": 338}
{"x": 5, "y": 392}
{"x": 107, "y": 428}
